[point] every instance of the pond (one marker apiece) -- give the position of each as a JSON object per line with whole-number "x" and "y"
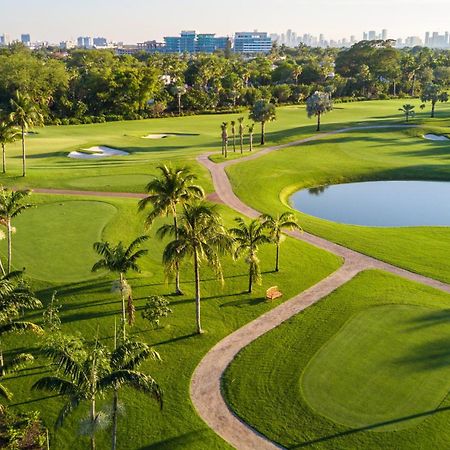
{"x": 378, "y": 203}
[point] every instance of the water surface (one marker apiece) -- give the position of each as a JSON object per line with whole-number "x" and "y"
{"x": 379, "y": 203}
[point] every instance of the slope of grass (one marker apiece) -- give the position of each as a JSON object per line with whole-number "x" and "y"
{"x": 356, "y": 156}
{"x": 89, "y": 309}
{"x": 373, "y": 356}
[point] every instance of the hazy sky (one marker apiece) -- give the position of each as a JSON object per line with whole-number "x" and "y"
{"x": 138, "y": 20}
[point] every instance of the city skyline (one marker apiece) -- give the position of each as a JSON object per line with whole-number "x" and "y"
{"x": 335, "y": 19}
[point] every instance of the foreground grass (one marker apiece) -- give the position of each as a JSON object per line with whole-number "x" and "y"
{"x": 357, "y": 156}
{"x": 373, "y": 355}
{"x": 90, "y": 309}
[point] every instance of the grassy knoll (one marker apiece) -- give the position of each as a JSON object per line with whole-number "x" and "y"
{"x": 89, "y": 308}
{"x": 366, "y": 367}
{"x": 48, "y": 149}
{"x": 356, "y": 156}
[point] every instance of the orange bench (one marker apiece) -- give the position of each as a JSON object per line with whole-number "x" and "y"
{"x": 273, "y": 293}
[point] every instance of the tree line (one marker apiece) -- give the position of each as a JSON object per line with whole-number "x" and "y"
{"x": 85, "y": 86}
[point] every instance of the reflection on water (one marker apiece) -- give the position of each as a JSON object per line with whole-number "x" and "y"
{"x": 379, "y": 203}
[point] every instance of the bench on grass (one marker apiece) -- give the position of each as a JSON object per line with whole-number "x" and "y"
{"x": 273, "y": 293}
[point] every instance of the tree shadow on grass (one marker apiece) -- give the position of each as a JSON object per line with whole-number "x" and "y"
{"x": 180, "y": 441}
{"x": 371, "y": 427}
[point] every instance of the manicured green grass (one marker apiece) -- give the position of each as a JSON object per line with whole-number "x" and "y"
{"x": 90, "y": 308}
{"x": 357, "y": 156}
{"x": 54, "y": 240}
{"x": 369, "y": 359}
{"x": 49, "y": 165}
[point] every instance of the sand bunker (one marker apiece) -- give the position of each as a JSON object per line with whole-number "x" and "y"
{"x": 163, "y": 135}
{"x": 97, "y": 152}
{"x": 435, "y": 137}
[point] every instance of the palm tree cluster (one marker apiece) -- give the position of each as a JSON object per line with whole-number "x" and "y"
{"x": 241, "y": 130}
{"x": 198, "y": 234}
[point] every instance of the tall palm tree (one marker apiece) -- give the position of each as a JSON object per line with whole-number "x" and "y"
{"x": 263, "y": 112}
{"x": 120, "y": 259}
{"x": 128, "y": 357}
{"x": 296, "y": 72}
{"x": 85, "y": 374}
{"x": 434, "y": 93}
{"x": 179, "y": 90}
{"x": 15, "y": 298}
{"x": 224, "y": 128}
{"x": 241, "y": 133}
{"x": 275, "y": 226}
{"x": 25, "y": 114}
{"x": 248, "y": 239}
{"x": 12, "y": 204}
{"x": 233, "y": 133}
{"x": 251, "y": 130}
{"x": 318, "y": 104}
{"x": 202, "y": 238}
{"x": 173, "y": 188}
{"x": 8, "y": 134}
{"x": 408, "y": 111}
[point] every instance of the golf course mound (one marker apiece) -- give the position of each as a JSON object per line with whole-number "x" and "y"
{"x": 163, "y": 135}
{"x": 97, "y": 152}
{"x": 376, "y": 371}
{"x": 436, "y": 137}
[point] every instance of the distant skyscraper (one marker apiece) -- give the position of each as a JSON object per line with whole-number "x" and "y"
{"x": 25, "y": 39}
{"x": 84, "y": 42}
{"x": 100, "y": 42}
{"x": 365, "y": 36}
{"x": 384, "y": 35}
{"x": 252, "y": 42}
{"x": 372, "y": 35}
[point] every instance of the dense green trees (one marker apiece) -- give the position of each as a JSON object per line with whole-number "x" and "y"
{"x": 96, "y": 85}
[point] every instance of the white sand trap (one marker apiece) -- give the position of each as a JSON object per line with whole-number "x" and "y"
{"x": 97, "y": 152}
{"x": 435, "y": 137}
{"x": 156, "y": 136}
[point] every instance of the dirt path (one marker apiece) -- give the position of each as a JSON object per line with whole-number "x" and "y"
{"x": 206, "y": 381}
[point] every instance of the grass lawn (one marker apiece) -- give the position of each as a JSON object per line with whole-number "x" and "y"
{"x": 357, "y": 156}
{"x": 90, "y": 308}
{"x": 366, "y": 367}
{"x": 49, "y": 166}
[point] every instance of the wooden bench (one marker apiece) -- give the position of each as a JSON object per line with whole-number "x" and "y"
{"x": 273, "y": 293}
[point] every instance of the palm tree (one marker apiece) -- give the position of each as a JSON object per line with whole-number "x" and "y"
{"x": 233, "y": 133}
{"x": 408, "y": 111}
{"x": 201, "y": 237}
{"x": 224, "y": 128}
{"x": 128, "y": 357}
{"x": 11, "y": 205}
{"x": 248, "y": 238}
{"x": 275, "y": 226}
{"x": 433, "y": 93}
{"x": 263, "y": 112}
{"x": 179, "y": 91}
{"x": 173, "y": 188}
{"x": 317, "y": 104}
{"x": 25, "y": 115}
{"x": 241, "y": 133}
{"x": 296, "y": 72}
{"x": 15, "y": 297}
{"x": 8, "y": 134}
{"x": 251, "y": 130}
{"x": 120, "y": 259}
{"x": 84, "y": 374}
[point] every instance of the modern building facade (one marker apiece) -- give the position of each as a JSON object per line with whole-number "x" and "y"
{"x": 191, "y": 42}
{"x": 25, "y": 39}
{"x": 251, "y": 42}
{"x": 84, "y": 42}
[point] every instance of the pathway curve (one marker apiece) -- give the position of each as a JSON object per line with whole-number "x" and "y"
{"x": 205, "y": 389}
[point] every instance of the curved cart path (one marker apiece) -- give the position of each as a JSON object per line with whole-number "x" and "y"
{"x": 206, "y": 381}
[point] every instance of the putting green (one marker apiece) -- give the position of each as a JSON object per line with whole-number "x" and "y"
{"x": 372, "y": 371}
{"x": 54, "y": 241}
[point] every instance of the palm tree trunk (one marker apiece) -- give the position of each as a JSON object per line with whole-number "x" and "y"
{"x": 226, "y": 149}
{"x": 197, "y": 293}
{"x": 8, "y": 225}
{"x": 250, "y": 278}
{"x": 177, "y": 264}
{"x": 251, "y": 142}
{"x": 179, "y": 104}
{"x": 24, "y": 159}
{"x": 234, "y": 142}
{"x": 2, "y": 363}
{"x": 93, "y": 413}
{"x": 242, "y": 143}
{"x": 4, "y": 158}
{"x": 263, "y": 133}
{"x": 114, "y": 419}
{"x": 124, "y": 318}
{"x": 433, "y": 107}
{"x": 223, "y": 147}
{"x": 277, "y": 260}
{"x": 413, "y": 87}
{"x": 318, "y": 122}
